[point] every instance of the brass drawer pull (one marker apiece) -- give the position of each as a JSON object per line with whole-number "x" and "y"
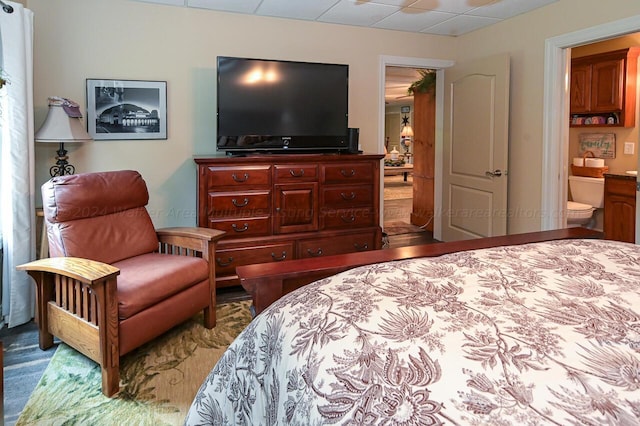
{"x": 237, "y": 204}
{"x": 357, "y": 246}
{"x": 348, "y": 197}
{"x": 223, "y": 264}
{"x": 345, "y": 173}
{"x": 314, "y": 253}
{"x": 283, "y": 256}
{"x": 242, "y": 179}
{"x": 348, "y": 219}
{"x": 244, "y": 227}
{"x": 294, "y": 174}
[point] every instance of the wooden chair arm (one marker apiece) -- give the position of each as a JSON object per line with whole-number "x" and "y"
{"x": 83, "y": 270}
{"x": 194, "y": 238}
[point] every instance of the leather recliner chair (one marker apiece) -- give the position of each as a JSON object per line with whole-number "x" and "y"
{"x": 113, "y": 282}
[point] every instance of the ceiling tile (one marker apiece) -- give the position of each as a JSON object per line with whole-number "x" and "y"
{"x": 169, "y": 2}
{"x": 459, "y": 25}
{"x": 443, "y": 17}
{"x": 357, "y": 13}
{"x": 452, "y": 6}
{"x": 299, "y": 9}
{"x": 242, "y": 6}
{"x": 412, "y": 20}
{"x": 508, "y": 9}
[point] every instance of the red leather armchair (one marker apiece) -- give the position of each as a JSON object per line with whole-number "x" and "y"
{"x": 113, "y": 282}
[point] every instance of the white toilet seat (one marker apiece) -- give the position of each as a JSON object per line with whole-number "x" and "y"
{"x": 579, "y": 210}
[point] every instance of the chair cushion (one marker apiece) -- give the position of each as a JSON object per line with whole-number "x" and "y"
{"x": 147, "y": 279}
{"x": 99, "y": 216}
{"x": 73, "y": 197}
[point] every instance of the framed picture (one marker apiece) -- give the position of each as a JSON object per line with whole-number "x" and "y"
{"x": 126, "y": 109}
{"x": 405, "y": 109}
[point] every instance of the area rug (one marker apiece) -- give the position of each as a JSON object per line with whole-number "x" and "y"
{"x": 158, "y": 380}
{"x": 398, "y": 228}
{"x": 395, "y": 188}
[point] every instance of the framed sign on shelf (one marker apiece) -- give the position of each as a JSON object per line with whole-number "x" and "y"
{"x": 126, "y": 109}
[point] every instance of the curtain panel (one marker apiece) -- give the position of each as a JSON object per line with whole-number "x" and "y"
{"x": 17, "y": 214}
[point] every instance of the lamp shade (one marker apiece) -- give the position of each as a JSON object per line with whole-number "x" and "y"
{"x": 61, "y": 126}
{"x": 406, "y": 131}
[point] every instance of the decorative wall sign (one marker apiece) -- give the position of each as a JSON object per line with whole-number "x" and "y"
{"x": 126, "y": 109}
{"x": 603, "y": 145}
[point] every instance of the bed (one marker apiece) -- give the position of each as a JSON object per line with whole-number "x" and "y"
{"x": 537, "y": 333}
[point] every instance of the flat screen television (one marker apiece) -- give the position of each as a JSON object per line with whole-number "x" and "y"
{"x": 281, "y": 106}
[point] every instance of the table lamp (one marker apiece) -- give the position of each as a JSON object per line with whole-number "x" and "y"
{"x": 62, "y": 125}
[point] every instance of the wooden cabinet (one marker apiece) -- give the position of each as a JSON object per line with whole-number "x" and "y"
{"x": 282, "y": 207}
{"x": 424, "y": 116}
{"x": 620, "y": 208}
{"x": 603, "y": 89}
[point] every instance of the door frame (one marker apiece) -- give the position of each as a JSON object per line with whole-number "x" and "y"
{"x": 411, "y": 62}
{"x": 555, "y": 144}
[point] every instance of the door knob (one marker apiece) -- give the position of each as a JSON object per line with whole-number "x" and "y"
{"x": 495, "y": 173}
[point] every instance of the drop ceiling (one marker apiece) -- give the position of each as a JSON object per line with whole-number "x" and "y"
{"x": 440, "y": 17}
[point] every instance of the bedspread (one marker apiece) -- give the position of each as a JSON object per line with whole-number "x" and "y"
{"x": 535, "y": 334}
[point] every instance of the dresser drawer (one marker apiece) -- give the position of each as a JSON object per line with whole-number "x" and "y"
{"x": 348, "y": 243}
{"x": 347, "y": 173}
{"x": 239, "y": 204}
{"x": 347, "y": 218}
{"x": 242, "y": 227}
{"x": 227, "y": 260}
{"x": 296, "y": 172}
{"x": 233, "y": 176}
{"x": 347, "y": 196}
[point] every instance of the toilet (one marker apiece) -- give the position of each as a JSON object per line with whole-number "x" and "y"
{"x": 587, "y": 195}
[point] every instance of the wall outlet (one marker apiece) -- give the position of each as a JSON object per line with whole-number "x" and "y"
{"x": 629, "y": 147}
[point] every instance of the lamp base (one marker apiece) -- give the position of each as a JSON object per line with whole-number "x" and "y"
{"x": 62, "y": 166}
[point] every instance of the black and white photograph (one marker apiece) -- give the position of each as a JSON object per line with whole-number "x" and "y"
{"x": 126, "y": 109}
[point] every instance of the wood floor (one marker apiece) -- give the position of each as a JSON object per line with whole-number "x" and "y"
{"x": 24, "y": 362}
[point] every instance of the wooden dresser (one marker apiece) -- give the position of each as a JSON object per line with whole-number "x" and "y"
{"x": 284, "y": 206}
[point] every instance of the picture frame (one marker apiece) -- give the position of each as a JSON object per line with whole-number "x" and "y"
{"x": 603, "y": 145}
{"x": 126, "y": 109}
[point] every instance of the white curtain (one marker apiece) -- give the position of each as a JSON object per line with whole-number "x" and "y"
{"x": 17, "y": 163}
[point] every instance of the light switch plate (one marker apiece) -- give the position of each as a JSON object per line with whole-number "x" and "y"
{"x": 629, "y": 147}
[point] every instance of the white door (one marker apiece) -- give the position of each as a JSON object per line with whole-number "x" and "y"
{"x": 475, "y": 152}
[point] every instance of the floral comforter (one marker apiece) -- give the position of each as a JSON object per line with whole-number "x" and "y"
{"x": 537, "y": 334}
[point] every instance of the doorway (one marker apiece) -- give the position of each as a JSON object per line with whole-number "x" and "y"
{"x": 556, "y": 110}
{"x": 398, "y": 137}
{"x": 416, "y": 63}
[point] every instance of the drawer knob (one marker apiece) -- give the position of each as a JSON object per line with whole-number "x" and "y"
{"x": 222, "y": 263}
{"x": 348, "y": 219}
{"x": 240, "y": 179}
{"x": 359, "y": 247}
{"x": 314, "y": 253}
{"x": 348, "y": 197}
{"x": 345, "y": 173}
{"x": 237, "y": 204}
{"x": 245, "y": 226}
{"x": 296, "y": 174}
{"x": 283, "y": 256}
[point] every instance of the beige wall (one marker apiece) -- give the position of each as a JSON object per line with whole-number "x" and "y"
{"x": 523, "y": 37}
{"x": 121, "y": 39}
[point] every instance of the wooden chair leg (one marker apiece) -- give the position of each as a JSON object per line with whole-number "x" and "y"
{"x": 109, "y": 335}
{"x": 110, "y": 380}
{"x": 210, "y": 317}
{"x": 44, "y": 293}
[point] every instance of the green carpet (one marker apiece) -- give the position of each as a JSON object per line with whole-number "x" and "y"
{"x": 158, "y": 380}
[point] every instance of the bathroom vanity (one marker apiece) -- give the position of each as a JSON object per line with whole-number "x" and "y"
{"x": 620, "y": 207}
